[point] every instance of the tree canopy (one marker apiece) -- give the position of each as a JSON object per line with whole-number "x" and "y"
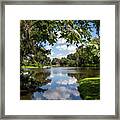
{"x": 34, "y": 34}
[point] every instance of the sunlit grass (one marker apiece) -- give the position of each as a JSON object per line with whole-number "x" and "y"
{"x": 90, "y": 88}
{"x": 29, "y": 67}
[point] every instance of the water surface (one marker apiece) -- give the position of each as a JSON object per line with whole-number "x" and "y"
{"x": 56, "y": 83}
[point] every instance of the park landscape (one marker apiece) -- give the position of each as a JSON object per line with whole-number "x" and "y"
{"x": 59, "y": 59}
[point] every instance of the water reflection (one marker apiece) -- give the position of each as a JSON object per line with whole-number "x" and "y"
{"x": 57, "y": 83}
{"x": 58, "y": 93}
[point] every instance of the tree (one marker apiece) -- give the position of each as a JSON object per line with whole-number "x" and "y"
{"x": 35, "y": 33}
{"x": 55, "y": 61}
{"x": 63, "y": 61}
{"x": 85, "y": 55}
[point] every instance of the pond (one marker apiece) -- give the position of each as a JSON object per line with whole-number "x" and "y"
{"x": 53, "y": 83}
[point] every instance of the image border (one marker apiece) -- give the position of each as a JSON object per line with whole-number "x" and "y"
{"x": 2, "y": 56}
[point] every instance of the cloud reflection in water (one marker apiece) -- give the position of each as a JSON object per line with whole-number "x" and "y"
{"x": 59, "y": 93}
{"x": 62, "y": 87}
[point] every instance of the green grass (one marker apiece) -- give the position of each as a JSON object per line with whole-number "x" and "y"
{"x": 90, "y": 88}
{"x": 93, "y": 78}
{"x": 29, "y": 67}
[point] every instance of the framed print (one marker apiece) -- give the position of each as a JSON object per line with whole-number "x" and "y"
{"x": 59, "y": 59}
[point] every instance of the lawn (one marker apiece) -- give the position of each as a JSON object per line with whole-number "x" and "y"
{"x": 89, "y": 88}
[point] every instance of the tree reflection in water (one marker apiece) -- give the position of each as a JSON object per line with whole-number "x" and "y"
{"x": 31, "y": 80}
{"x": 55, "y": 83}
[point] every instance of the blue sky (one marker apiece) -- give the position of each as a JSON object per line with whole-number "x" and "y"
{"x": 60, "y": 49}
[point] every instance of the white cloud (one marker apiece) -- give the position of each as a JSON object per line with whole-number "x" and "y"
{"x": 60, "y": 93}
{"x": 62, "y": 47}
{"x": 58, "y": 33}
{"x": 48, "y": 55}
{"x": 72, "y": 48}
{"x": 60, "y": 55}
{"x": 67, "y": 82}
{"x": 64, "y": 50}
{"x": 48, "y": 47}
{"x": 52, "y": 53}
{"x": 61, "y": 41}
{"x": 58, "y": 47}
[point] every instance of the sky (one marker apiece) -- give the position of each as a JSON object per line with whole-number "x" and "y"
{"x": 60, "y": 49}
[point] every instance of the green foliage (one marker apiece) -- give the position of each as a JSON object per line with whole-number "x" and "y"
{"x": 34, "y": 34}
{"x": 55, "y": 61}
{"x": 90, "y": 88}
{"x": 86, "y": 55}
{"x": 63, "y": 61}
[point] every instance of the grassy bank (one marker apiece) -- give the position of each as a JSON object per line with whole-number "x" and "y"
{"x": 35, "y": 66}
{"x": 29, "y": 67}
{"x": 90, "y": 88}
